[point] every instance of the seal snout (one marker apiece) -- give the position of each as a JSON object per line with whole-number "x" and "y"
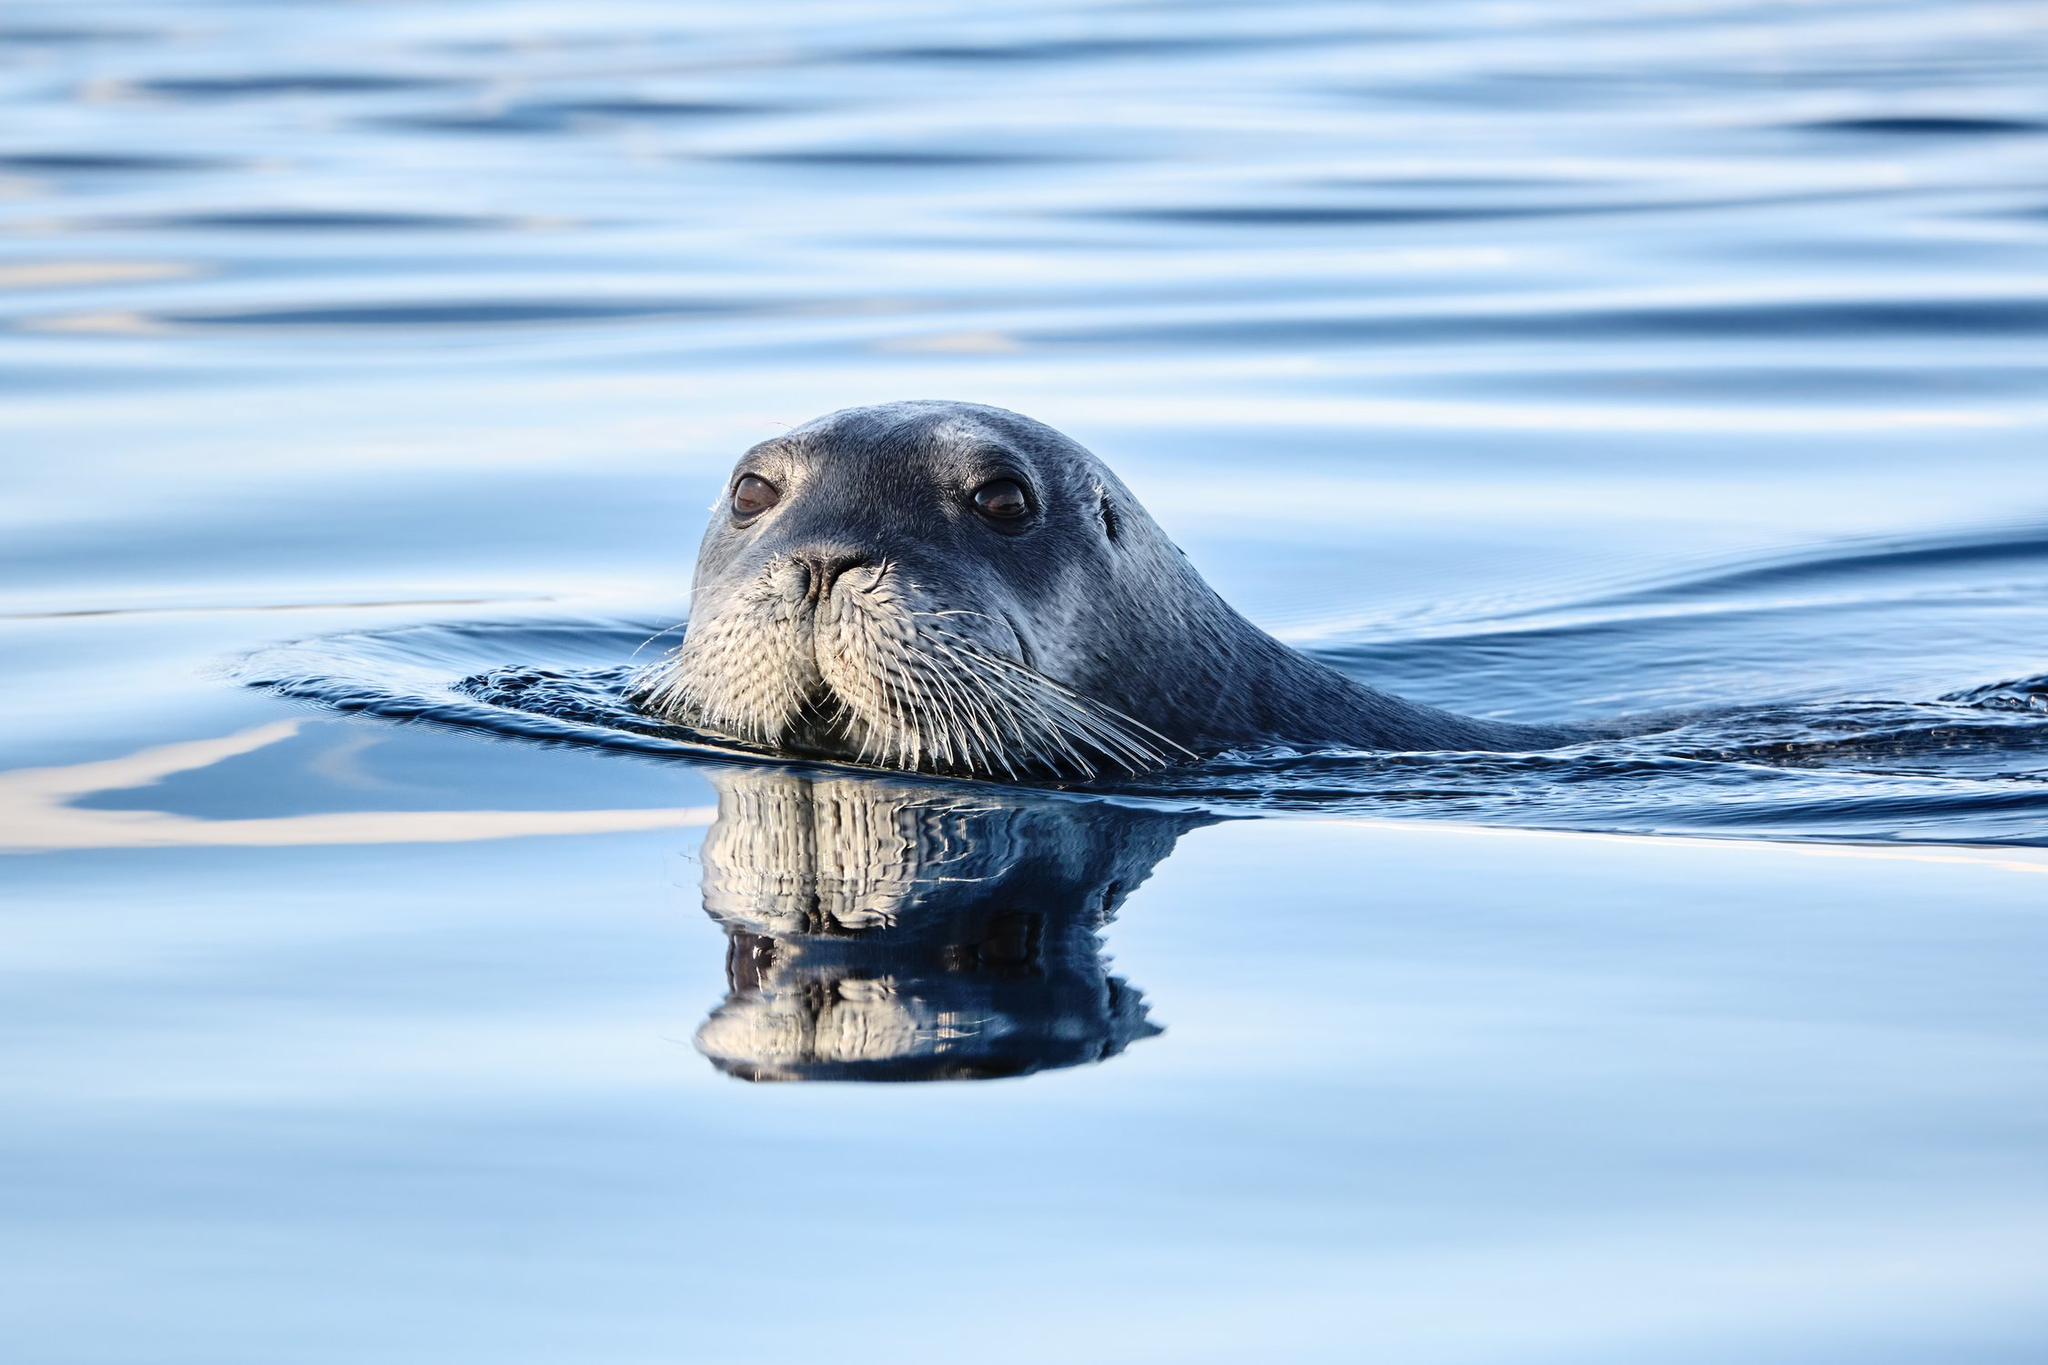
{"x": 821, "y": 568}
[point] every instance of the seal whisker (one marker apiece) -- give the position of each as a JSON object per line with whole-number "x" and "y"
{"x": 981, "y": 705}
{"x": 1108, "y": 718}
{"x": 1095, "y": 712}
{"x": 1051, "y": 725}
{"x": 657, "y": 635}
{"x": 971, "y": 711}
{"x": 960, "y": 719}
{"x": 962, "y": 611}
{"x": 904, "y": 700}
{"x": 981, "y": 717}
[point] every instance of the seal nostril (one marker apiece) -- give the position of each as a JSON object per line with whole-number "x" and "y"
{"x": 822, "y": 569}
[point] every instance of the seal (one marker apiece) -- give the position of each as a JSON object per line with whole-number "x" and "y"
{"x": 948, "y": 588}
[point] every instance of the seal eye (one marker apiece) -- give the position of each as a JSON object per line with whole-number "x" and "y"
{"x": 753, "y": 495}
{"x": 1002, "y": 499}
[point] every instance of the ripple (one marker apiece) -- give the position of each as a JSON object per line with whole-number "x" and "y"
{"x": 906, "y": 158}
{"x": 1970, "y": 767}
{"x": 272, "y": 84}
{"x": 86, "y": 163}
{"x": 1927, "y": 125}
{"x": 2000, "y": 550}
{"x": 1396, "y": 215}
{"x": 652, "y": 109}
{"x": 564, "y": 115}
{"x": 1056, "y": 50}
{"x": 1806, "y": 319}
{"x": 1328, "y": 215}
{"x": 2017, "y": 694}
{"x": 62, "y": 35}
{"x": 317, "y": 220}
{"x": 452, "y": 313}
{"x": 1884, "y": 617}
{"x": 458, "y": 676}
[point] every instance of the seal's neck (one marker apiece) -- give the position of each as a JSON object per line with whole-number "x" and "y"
{"x": 1231, "y": 685}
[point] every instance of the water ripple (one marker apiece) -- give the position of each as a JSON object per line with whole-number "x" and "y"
{"x": 1927, "y": 125}
{"x": 106, "y": 163}
{"x": 1812, "y": 319}
{"x": 456, "y": 313}
{"x": 1970, "y": 764}
{"x": 274, "y": 84}
{"x": 312, "y": 220}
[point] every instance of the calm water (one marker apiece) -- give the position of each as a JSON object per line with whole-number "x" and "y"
{"x": 1540, "y": 361}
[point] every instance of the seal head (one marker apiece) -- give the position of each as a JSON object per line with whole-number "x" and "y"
{"x": 950, "y": 588}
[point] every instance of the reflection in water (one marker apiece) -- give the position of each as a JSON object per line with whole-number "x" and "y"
{"x": 906, "y": 931}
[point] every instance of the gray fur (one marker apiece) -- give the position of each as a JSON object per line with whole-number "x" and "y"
{"x": 1080, "y": 642}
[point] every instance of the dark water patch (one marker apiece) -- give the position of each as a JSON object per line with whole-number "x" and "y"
{"x": 1914, "y": 814}
{"x": 568, "y": 115}
{"x": 1054, "y": 50}
{"x": 1829, "y": 320}
{"x": 530, "y": 43}
{"x": 1326, "y": 215}
{"x": 1778, "y": 383}
{"x": 316, "y": 220}
{"x": 1451, "y": 182}
{"x": 1926, "y": 125}
{"x": 62, "y": 35}
{"x": 654, "y": 110}
{"x": 1396, "y": 215}
{"x": 1491, "y": 89}
{"x": 514, "y": 120}
{"x": 478, "y": 313}
{"x": 1738, "y": 774}
{"x": 1592, "y": 86}
{"x": 1948, "y": 737}
{"x": 85, "y": 163}
{"x": 267, "y": 85}
{"x": 903, "y": 158}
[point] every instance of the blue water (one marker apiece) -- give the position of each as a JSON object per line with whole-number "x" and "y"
{"x": 1540, "y": 362}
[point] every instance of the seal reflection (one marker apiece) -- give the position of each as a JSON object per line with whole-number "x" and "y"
{"x": 891, "y": 930}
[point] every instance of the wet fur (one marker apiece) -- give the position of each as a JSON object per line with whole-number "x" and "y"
{"x": 1081, "y": 643}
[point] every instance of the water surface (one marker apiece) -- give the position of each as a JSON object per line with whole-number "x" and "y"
{"x": 1544, "y": 363}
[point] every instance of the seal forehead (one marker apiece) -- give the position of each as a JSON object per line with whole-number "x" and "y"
{"x": 959, "y": 429}
{"x": 931, "y": 428}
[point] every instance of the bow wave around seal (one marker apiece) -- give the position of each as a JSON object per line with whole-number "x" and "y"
{"x": 949, "y": 588}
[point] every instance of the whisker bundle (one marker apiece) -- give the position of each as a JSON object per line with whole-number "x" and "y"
{"x": 895, "y": 686}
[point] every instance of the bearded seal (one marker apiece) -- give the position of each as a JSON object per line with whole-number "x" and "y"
{"x": 949, "y": 588}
